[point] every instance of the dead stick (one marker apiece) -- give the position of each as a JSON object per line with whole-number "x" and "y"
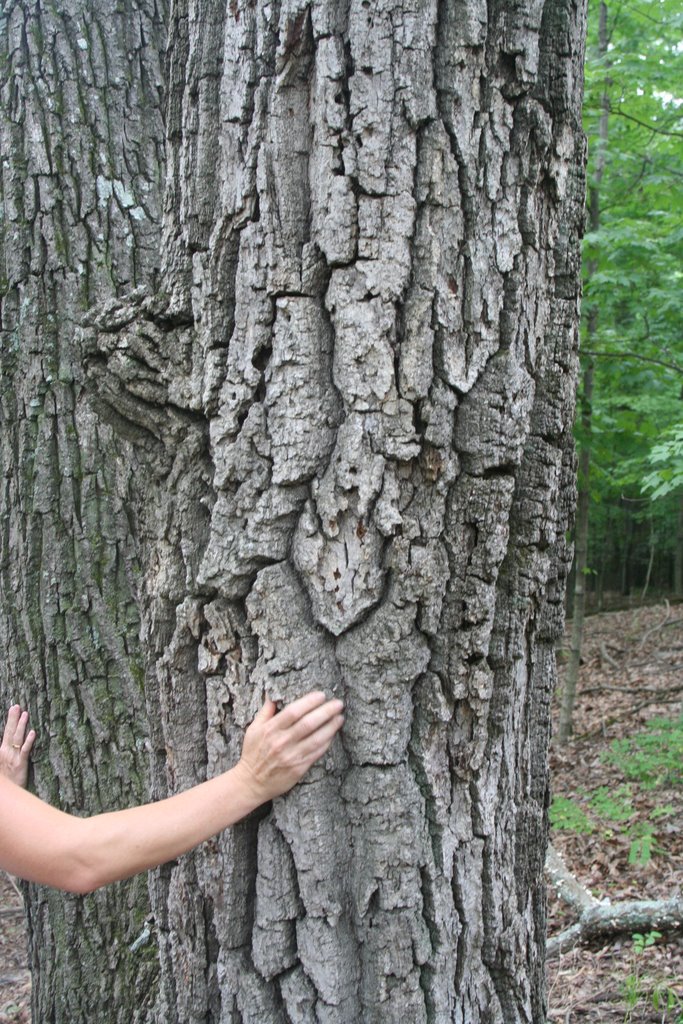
{"x": 655, "y": 629}
{"x": 566, "y": 884}
{"x": 605, "y": 656}
{"x": 14, "y": 885}
{"x": 632, "y": 689}
{"x": 626, "y": 714}
{"x": 629, "y": 916}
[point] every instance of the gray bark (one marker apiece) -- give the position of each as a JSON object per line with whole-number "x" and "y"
{"x": 80, "y": 184}
{"x": 343, "y": 458}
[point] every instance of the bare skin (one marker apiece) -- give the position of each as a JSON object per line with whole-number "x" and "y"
{"x": 16, "y": 746}
{"x": 45, "y": 845}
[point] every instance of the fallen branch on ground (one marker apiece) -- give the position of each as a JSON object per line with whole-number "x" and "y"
{"x": 566, "y": 884}
{"x": 14, "y": 885}
{"x": 655, "y": 629}
{"x": 613, "y": 919}
{"x": 598, "y": 919}
{"x": 655, "y": 690}
{"x": 630, "y": 712}
{"x": 605, "y": 656}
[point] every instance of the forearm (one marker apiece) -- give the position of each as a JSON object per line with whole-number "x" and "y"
{"x": 45, "y": 845}
{"x": 116, "y": 845}
{"x": 48, "y": 846}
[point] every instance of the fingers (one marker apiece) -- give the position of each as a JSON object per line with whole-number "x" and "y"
{"x": 16, "y": 746}
{"x": 279, "y": 748}
{"x": 315, "y": 756}
{"x": 307, "y": 713}
{"x": 20, "y": 729}
{"x": 27, "y": 745}
{"x": 13, "y": 716}
{"x": 311, "y": 723}
{"x": 315, "y": 745}
{"x": 15, "y": 727}
{"x": 291, "y": 714}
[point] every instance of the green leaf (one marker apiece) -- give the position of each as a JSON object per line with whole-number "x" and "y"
{"x": 567, "y": 815}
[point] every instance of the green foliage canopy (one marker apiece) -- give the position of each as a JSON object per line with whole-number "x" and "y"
{"x": 634, "y": 269}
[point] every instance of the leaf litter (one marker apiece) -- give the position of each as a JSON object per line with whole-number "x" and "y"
{"x": 628, "y": 839}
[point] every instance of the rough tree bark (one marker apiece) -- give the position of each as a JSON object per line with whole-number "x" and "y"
{"x": 331, "y": 446}
{"x": 81, "y": 143}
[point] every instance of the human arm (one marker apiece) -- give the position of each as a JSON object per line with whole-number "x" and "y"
{"x": 16, "y": 746}
{"x": 45, "y": 845}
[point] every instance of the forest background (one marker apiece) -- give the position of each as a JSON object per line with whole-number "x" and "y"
{"x": 630, "y": 422}
{"x": 630, "y": 525}
{"x": 619, "y": 732}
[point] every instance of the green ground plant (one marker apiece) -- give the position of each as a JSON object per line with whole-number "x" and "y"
{"x": 641, "y": 991}
{"x": 648, "y": 760}
{"x": 653, "y": 757}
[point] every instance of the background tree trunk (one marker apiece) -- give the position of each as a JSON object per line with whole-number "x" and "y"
{"x": 344, "y": 459}
{"x": 678, "y": 552}
{"x": 566, "y": 725}
{"x": 580, "y": 569}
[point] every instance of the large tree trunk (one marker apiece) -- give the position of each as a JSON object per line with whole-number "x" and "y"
{"x": 344, "y": 459}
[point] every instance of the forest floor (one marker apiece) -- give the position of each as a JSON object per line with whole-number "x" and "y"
{"x": 621, "y": 835}
{"x": 618, "y": 819}
{"x": 15, "y": 980}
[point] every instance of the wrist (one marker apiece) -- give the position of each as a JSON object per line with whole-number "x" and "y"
{"x": 252, "y": 793}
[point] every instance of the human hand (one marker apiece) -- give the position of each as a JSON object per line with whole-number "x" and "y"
{"x": 16, "y": 745}
{"x": 280, "y": 746}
